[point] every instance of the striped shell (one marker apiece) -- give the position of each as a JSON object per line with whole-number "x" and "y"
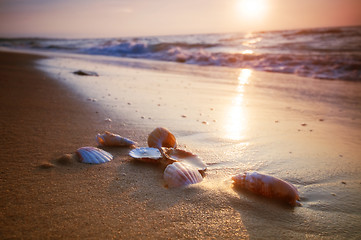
{"x": 93, "y": 155}
{"x": 161, "y": 137}
{"x": 113, "y": 140}
{"x": 146, "y": 154}
{"x": 267, "y": 186}
{"x": 179, "y": 175}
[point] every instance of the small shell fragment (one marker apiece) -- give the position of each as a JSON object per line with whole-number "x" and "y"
{"x": 113, "y": 140}
{"x": 180, "y": 174}
{"x": 186, "y": 157}
{"x": 93, "y": 155}
{"x": 146, "y": 154}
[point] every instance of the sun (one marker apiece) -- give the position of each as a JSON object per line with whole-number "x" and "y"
{"x": 252, "y": 9}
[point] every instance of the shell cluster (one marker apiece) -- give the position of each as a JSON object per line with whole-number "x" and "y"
{"x": 183, "y": 168}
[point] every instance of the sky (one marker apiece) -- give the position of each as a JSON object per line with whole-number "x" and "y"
{"x": 120, "y": 18}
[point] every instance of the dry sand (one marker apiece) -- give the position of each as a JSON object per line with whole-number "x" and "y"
{"x": 42, "y": 198}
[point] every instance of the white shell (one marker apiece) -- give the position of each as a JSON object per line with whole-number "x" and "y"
{"x": 186, "y": 157}
{"x": 93, "y": 155}
{"x": 113, "y": 140}
{"x": 180, "y": 174}
{"x": 146, "y": 154}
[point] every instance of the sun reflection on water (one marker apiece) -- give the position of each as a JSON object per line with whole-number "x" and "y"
{"x": 236, "y": 121}
{"x": 248, "y": 51}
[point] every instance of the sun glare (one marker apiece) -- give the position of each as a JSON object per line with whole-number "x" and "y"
{"x": 236, "y": 119}
{"x": 252, "y": 9}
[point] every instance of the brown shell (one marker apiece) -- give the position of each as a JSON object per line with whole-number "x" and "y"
{"x": 113, "y": 140}
{"x": 267, "y": 186}
{"x": 161, "y": 137}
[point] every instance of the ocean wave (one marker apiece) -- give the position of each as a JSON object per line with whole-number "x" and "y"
{"x": 326, "y": 64}
{"x": 139, "y": 47}
{"x": 318, "y": 31}
{"x": 327, "y": 53}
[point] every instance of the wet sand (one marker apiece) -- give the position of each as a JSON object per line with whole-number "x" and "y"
{"x": 305, "y": 131}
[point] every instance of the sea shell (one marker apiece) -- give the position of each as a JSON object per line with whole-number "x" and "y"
{"x": 161, "y": 137}
{"x": 180, "y": 174}
{"x": 146, "y": 154}
{"x": 93, "y": 155}
{"x": 267, "y": 186}
{"x": 186, "y": 157}
{"x": 113, "y": 140}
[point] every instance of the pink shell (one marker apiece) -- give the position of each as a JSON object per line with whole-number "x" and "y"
{"x": 179, "y": 174}
{"x": 267, "y": 186}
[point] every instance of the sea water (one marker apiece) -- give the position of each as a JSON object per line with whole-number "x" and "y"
{"x": 326, "y": 53}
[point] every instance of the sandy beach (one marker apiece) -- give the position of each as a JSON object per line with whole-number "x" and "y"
{"x": 41, "y": 120}
{"x": 303, "y": 130}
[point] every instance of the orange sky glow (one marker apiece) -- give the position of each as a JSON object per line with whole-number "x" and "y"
{"x": 117, "y": 18}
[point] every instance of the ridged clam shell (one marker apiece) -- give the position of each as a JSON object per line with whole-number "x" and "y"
{"x": 161, "y": 137}
{"x": 186, "y": 157}
{"x": 180, "y": 174}
{"x": 113, "y": 140}
{"x": 93, "y": 155}
{"x": 146, "y": 154}
{"x": 267, "y": 186}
